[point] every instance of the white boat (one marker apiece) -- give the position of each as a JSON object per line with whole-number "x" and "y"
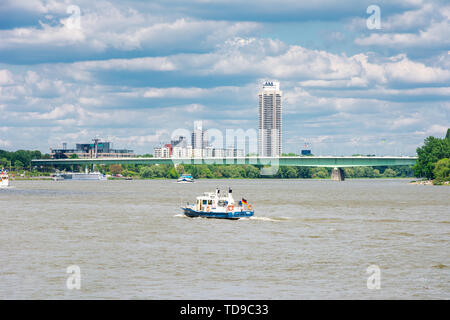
{"x": 185, "y": 178}
{"x": 57, "y": 177}
{"x": 79, "y": 176}
{"x": 4, "y": 179}
{"x": 219, "y": 206}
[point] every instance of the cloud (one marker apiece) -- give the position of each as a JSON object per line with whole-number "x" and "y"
{"x": 134, "y": 72}
{"x": 104, "y": 28}
{"x": 6, "y": 77}
{"x": 426, "y": 28}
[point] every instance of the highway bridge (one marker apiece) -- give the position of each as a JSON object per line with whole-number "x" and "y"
{"x": 308, "y": 161}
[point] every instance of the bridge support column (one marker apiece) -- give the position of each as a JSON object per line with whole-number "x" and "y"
{"x": 337, "y": 174}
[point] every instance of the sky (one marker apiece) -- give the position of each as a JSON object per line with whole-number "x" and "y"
{"x": 135, "y": 72}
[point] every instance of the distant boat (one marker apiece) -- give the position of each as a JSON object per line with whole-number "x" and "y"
{"x": 57, "y": 177}
{"x": 185, "y": 178}
{"x": 215, "y": 205}
{"x": 4, "y": 178}
{"x": 79, "y": 176}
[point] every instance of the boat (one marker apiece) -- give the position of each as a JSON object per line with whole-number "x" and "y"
{"x": 79, "y": 176}
{"x": 57, "y": 177}
{"x": 219, "y": 206}
{"x": 185, "y": 178}
{"x": 4, "y": 178}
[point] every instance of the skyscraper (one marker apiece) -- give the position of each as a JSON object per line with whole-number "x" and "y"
{"x": 270, "y": 124}
{"x": 199, "y": 139}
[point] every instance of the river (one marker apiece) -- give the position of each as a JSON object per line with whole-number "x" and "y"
{"x": 309, "y": 239}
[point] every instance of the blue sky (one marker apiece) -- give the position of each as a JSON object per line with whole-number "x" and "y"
{"x": 133, "y": 72}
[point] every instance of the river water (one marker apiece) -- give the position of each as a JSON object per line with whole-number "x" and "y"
{"x": 309, "y": 239}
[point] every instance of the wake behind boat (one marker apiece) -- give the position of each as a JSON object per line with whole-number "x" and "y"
{"x": 215, "y": 205}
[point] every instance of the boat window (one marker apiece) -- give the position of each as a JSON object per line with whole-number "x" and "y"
{"x": 221, "y": 203}
{"x": 204, "y": 201}
{"x": 209, "y": 202}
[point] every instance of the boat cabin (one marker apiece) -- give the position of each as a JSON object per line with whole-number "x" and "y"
{"x": 214, "y": 201}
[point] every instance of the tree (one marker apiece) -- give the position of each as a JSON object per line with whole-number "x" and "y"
{"x": 172, "y": 173}
{"x": 389, "y": 173}
{"x": 320, "y": 173}
{"x": 73, "y": 156}
{"x": 147, "y": 172}
{"x": 304, "y": 172}
{"x": 376, "y": 173}
{"x": 115, "y": 169}
{"x": 18, "y": 164}
{"x": 251, "y": 172}
{"x": 442, "y": 170}
{"x": 286, "y": 172}
{"x": 429, "y": 154}
{"x": 4, "y": 162}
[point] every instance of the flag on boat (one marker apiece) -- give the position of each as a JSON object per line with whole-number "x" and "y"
{"x": 244, "y": 201}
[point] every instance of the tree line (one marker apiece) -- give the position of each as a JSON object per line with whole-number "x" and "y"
{"x": 433, "y": 163}
{"x": 433, "y": 159}
{"x": 20, "y": 159}
{"x": 249, "y": 171}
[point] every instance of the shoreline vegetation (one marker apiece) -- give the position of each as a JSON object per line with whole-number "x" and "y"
{"x": 432, "y": 167}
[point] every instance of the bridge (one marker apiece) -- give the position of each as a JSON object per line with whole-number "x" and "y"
{"x": 337, "y": 163}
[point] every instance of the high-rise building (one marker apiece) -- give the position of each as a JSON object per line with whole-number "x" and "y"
{"x": 270, "y": 124}
{"x": 199, "y": 136}
{"x": 199, "y": 139}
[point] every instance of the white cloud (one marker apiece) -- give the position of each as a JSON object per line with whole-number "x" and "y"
{"x": 135, "y": 64}
{"x": 6, "y": 77}
{"x": 433, "y": 35}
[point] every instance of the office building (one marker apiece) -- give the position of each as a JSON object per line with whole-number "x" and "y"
{"x": 270, "y": 120}
{"x": 97, "y": 149}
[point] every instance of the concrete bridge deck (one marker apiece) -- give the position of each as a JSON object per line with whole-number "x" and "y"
{"x": 308, "y": 161}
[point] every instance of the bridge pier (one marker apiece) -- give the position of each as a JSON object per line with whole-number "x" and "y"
{"x": 337, "y": 174}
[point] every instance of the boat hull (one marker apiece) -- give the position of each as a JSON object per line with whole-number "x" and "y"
{"x": 232, "y": 215}
{"x": 83, "y": 176}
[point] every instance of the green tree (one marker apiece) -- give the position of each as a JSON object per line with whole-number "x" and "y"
{"x": 304, "y": 172}
{"x": 376, "y": 173}
{"x": 73, "y": 156}
{"x": 429, "y": 154}
{"x": 172, "y": 173}
{"x": 349, "y": 172}
{"x": 147, "y": 172}
{"x": 4, "y": 163}
{"x": 389, "y": 173}
{"x": 320, "y": 173}
{"x": 251, "y": 172}
{"x": 442, "y": 170}
{"x": 18, "y": 164}
{"x": 286, "y": 172}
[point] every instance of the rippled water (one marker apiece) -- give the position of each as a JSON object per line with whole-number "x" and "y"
{"x": 309, "y": 239}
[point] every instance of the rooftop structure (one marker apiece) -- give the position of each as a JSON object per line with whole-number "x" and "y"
{"x": 97, "y": 149}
